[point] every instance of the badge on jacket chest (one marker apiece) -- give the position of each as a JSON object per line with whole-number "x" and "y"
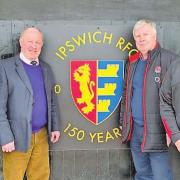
{"x": 157, "y": 71}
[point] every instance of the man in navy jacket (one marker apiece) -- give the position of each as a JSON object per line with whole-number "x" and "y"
{"x": 140, "y": 106}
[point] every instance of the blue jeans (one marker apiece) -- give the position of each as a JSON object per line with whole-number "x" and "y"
{"x": 152, "y": 165}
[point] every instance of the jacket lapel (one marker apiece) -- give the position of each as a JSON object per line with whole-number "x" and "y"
{"x": 22, "y": 74}
{"x": 45, "y": 76}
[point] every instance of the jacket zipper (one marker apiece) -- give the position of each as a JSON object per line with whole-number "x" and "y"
{"x": 144, "y": 108}
{"x": 127, "y": 87}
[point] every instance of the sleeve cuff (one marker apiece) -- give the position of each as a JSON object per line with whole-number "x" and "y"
{"x": 175, "y": 137}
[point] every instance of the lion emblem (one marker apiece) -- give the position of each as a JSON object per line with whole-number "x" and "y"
{"x": 82, "y": 76}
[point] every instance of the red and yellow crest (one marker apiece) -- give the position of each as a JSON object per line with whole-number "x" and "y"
{"x": 96, "y": 87}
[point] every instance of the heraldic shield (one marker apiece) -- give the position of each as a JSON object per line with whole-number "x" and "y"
{"x": 96, "y": 87}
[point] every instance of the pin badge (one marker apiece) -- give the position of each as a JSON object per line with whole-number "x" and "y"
{"x": 157, "y": 79}
{"x": 158, "y": 69}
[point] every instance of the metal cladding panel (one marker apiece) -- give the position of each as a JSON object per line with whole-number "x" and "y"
{"x": 107, "y": 46}
{"x": 80, "y": 130}
{"x": 166, "y": 10}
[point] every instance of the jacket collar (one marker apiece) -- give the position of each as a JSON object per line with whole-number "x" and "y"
{"x": 45, "y": 72}
{"x": 133, "y": 58}
{"x": 22, "y": 74}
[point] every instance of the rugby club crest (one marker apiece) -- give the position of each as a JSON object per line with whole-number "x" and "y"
{"x": 96, "y": 87}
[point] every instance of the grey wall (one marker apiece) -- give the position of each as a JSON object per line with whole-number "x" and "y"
{"x": 56, "y": 19}
{"x": 166, "y": 10}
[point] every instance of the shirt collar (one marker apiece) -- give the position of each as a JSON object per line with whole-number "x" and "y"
{"x": 142, "y": 59}
{"x": 27, "y": 61}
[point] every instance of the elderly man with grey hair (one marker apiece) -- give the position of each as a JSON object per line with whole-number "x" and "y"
{"x": 140, "y": 106}
{"x": 28, "y": 111}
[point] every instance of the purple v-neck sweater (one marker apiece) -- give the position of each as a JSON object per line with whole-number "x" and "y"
{"x": 39, "y": 113}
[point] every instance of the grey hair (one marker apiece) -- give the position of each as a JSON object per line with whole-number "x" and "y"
{"x": 143, "y": 22}
{"x": 32, "y": 27}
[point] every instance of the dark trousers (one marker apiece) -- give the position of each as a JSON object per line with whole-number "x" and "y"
{"x": 149, "y": 166}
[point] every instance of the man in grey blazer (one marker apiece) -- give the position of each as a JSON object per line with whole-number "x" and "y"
{"x": 28, "y": 111}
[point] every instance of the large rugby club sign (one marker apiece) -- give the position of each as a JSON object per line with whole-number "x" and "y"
{"x": 89, "y": 69}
